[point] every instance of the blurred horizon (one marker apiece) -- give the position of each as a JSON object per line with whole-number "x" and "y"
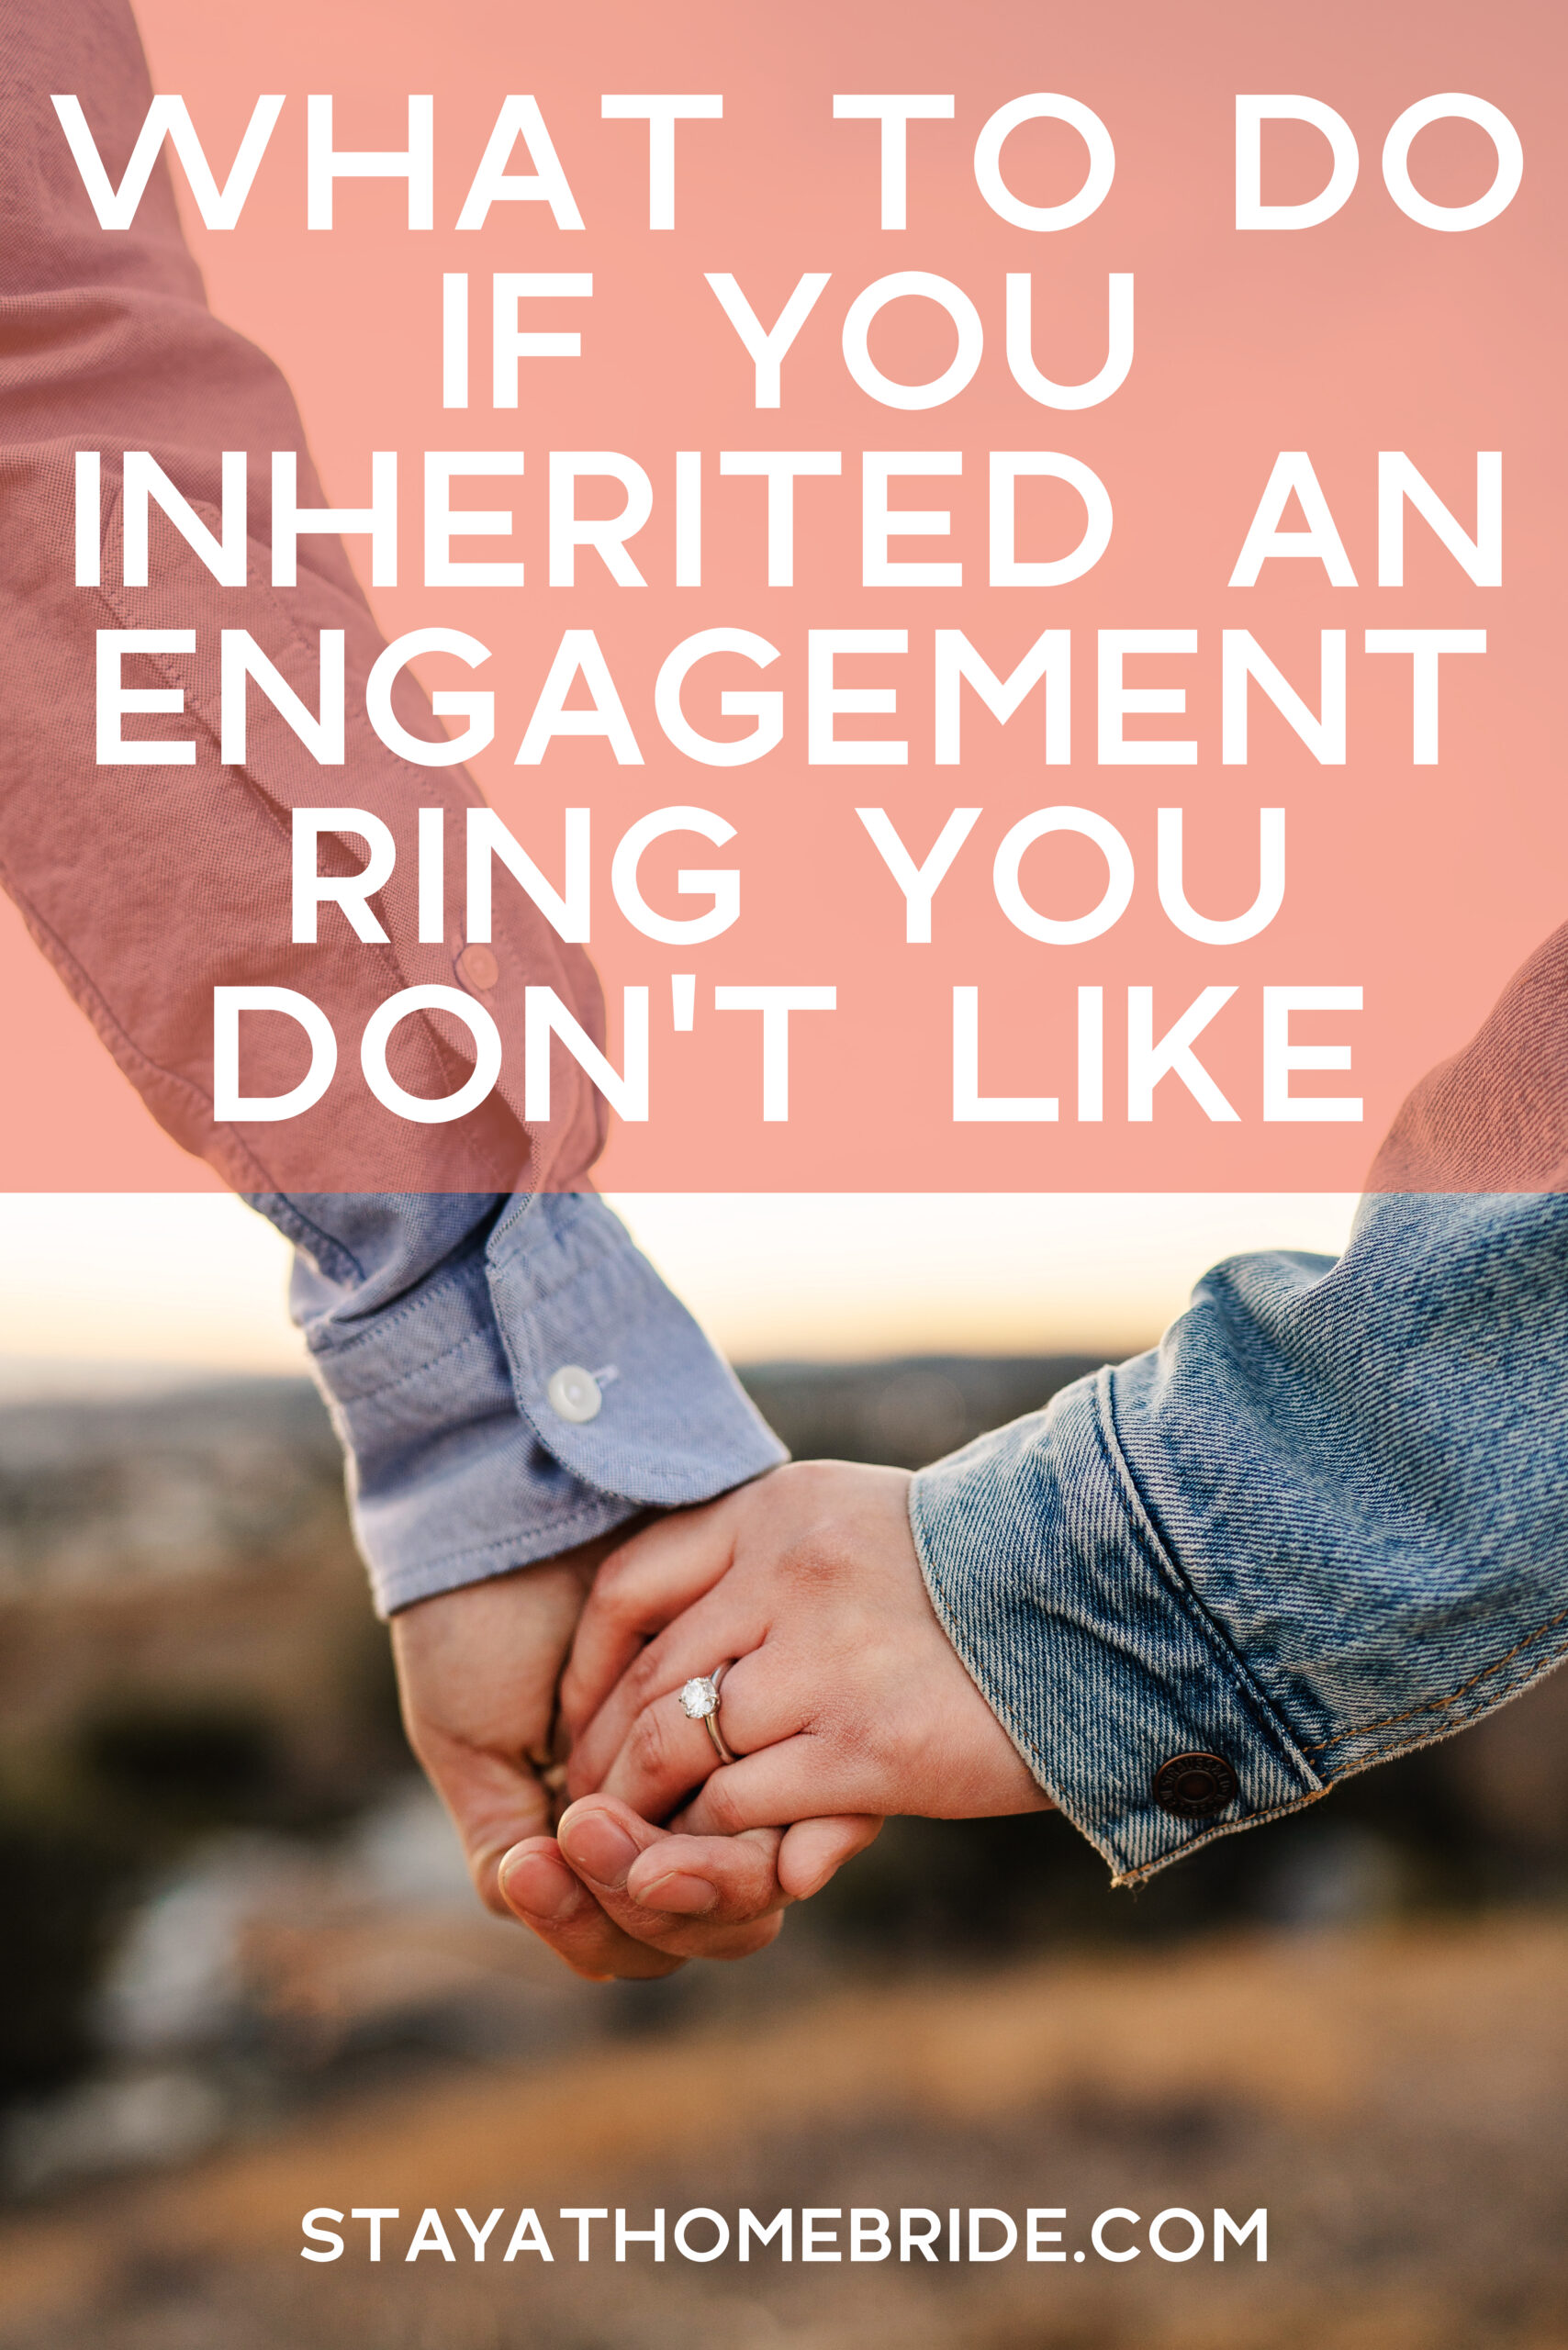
{"x": 118, "y": 1293}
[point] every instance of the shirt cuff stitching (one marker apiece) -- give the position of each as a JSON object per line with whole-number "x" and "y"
{"x": 419, "y": 1371}
{"x": 284, "y": 1212}
{"x": 511, "y": 1552}
{"x": 594, "y": 1241}
{"x": 384, "y": 1319}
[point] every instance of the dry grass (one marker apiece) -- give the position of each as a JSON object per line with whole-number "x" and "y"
{"x": 1399, "y": 2101}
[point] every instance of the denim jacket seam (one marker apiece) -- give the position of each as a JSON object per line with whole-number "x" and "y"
{"x": 1432, "y": 1732}
{"x": 1209, "y": 1835}
{"x": 1440, "y": 1704}
{"x": 1147, "y": 1535}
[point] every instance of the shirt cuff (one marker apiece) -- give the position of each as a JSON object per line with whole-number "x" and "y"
{"x": 459, "y": 1469}
{"x": 1088, "y": 1644}
{"x": 609, "y": 1369}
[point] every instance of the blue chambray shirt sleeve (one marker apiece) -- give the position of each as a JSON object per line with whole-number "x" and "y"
{"x": 434, "y": 1326}
{"x": 1326, "y": 1520}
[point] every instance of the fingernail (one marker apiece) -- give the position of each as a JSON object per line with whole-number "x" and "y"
{"x": 538, "y": 1885}
{"x": 600, "y": 1849}
{"x": 690, "y": 1896}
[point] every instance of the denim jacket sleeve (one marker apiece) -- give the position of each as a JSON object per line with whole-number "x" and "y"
{"x": 437, "y": 1326}
{"x": 1325, "y": 1521}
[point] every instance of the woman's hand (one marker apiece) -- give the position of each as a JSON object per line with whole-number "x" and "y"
{"x": 845, "y": 1695}
{"x": 478, "y": 1669}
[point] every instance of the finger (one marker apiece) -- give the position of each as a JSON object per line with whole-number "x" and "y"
{"x": 812, "y": 1850}
{"x": 603, "y": 1840}
{"x": 477, "y": 1674}
{"x": 665, "y": 1755}
{"x": 724, "y": 1880}
{"x": 684, "y": 1871}
{"x": 697, "y": 1897}
{"x": 640, "y": 1588}
{"x": 810, "y": 1776}
{"x": 795, "y": 1779}
{"x": 723, "y": 1628}
{"x": 540, "y": 1890}
{"x": 494, "y": 1804}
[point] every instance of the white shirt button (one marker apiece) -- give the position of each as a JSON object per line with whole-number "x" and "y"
{"x": 573, "y": 1393}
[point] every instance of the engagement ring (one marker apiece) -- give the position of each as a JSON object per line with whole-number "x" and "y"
{"x": 699, "y": 1703}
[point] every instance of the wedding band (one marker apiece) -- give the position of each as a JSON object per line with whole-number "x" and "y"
{"x": 699, "y": 1703}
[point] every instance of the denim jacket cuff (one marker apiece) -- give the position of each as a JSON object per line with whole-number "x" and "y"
{"x": 1088, "y": 1642}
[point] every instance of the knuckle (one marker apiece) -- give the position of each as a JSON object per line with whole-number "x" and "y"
{"x": 852, "y": 1747}
{"x": 810, "y": 1486}
{"x": 613, "y": 1594}
{"x": 483, "y": 1868}
{"x": 641, "y": 1677}
{"x": 811, "y": 1542}
{"x": 748, "y": 1939}
{"x": 720, "y": 1806}
{"x": 807, "y": 1476}
{"x": 649, "y": 1746}
{"x": 818, "y": 1559}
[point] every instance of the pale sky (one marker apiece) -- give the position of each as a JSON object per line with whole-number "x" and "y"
{"x": 95, "y": 1284}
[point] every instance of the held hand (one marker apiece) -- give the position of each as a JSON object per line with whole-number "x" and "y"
{"x": 477, "y": 1672}
{"x": 477, "y": 1669}
{"x": 637, "y": 1901}
{"x": 845, "y": 1695}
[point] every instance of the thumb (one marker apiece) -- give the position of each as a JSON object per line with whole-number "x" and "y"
{"x": 494, "y": 1802}
{"x": 477, "y": 1671}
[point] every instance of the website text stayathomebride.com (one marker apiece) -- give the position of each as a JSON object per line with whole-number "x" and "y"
{"x": 977, "y": 2234}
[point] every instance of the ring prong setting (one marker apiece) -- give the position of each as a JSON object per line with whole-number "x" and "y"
{"x": 699, "y": 1698}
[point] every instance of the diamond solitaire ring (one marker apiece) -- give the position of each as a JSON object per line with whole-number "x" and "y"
{"x": 699, "y": 1703}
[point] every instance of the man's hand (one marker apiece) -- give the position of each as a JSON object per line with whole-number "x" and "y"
{"x": 477, "y": 1669}
{"x": 636, "y": 1900}
{"x": 477, "y": 1672}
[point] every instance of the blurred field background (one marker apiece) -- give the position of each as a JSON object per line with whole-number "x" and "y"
{"x": 241, "y": 1974}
